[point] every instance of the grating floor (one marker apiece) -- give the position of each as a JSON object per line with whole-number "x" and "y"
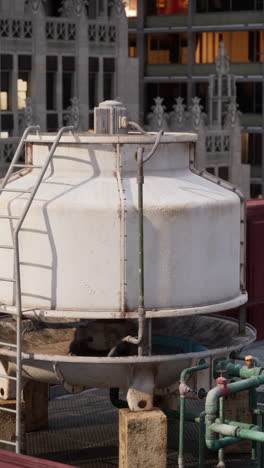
{"x": 83, "y": 432}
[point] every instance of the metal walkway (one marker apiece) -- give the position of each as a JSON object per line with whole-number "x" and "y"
{"x": 83, "y": 432}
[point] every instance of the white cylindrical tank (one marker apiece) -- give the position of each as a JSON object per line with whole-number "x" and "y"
{"x": 79, "y": 241}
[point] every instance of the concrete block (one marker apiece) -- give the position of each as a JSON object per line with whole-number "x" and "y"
{"x": 8, "y": 424}
{"x": 142, "y": 439}
{"x": 36, "y": 400}
{"x": 34, "y": 414}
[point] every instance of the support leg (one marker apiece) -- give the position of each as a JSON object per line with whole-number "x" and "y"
{"x": 142, "y": 439}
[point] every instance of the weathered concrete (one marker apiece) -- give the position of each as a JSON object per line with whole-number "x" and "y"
{"x": 34, "y": 415}
{"x": 8, "y": 424}
{"x": 142, "y": 439}
{"x": 36, "y": 401}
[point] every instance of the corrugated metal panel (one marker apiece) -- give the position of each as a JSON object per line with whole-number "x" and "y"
{"x": 255, "y": 265}
{"x": 8, "y": 459}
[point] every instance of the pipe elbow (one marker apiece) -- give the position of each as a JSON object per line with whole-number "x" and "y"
{"x": 211, "y": 402}
{"x": 212, "y": 444}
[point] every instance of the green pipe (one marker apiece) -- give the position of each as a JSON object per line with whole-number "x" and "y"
{"x": 262, "y": 446}
{"x": 221, "y": 452}
{"x": 235, "y": 431}
{"x": 236, "y": 423}
{"x": 211, "y": 402}
{"x": 239, "y": 357}
{"x": 176, "y": 414}
{"x": 201, "y": 366}
{"x": 250, "y": 434}
{"x": 224, "y": 429}
{"x": 183, "y": 389}
{"x": 211, "y": 409}
{"x": 216, "y": 444}
{"x": 244, "y": 372}
{"x": 202, "y": 446}
{"x": 181, "y": 432}
{"x": 253, "y": 406}
{"x": 246, "y": 384}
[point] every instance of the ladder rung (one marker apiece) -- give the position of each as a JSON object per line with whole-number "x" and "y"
{"x": 8, "y": 410}
{"x": 15, "y": 190}
{"x": 10, "y": 345}
{"x": 7, "y": 442}
{"x": 33, "y": 166}
{"x": 8, "y": 217}
{"x": 8, "y": 377}
{"x": 11, "y": 280}
{"x": 7, "y": 247}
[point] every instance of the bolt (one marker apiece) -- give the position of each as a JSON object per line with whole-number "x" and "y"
{"x": 142, "y": 404}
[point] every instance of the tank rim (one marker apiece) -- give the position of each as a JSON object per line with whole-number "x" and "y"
{"x": 111, "y": 314}
{"x": 250, "y": 331}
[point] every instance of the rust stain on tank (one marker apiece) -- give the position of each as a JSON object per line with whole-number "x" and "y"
{"x": 172, "y": 211}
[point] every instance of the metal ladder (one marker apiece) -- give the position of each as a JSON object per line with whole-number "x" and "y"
{"x": 16, "y": 280}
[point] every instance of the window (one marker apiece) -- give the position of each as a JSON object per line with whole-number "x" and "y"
{"x": 7, "y": 123}
{"x": 223, "y": 172}
{"x": 93, "y": 88}
{"x": 4, "y": 94}
{"x": 249, "y": 96}
{"x": 204, "y": 6}
{"x": 68, "y": 67}
{"x": 93, "y": 82}
{"x": 91, "y": 9}
{"x": 211, "y": 170}
{"x": 252, "y": 151}
{"x": 131, "y": 8}
{"x": 201, "y": 90}
{"x": 52, "y": 7}
{"x": 23, "y": 82}
{"x": 252, "y": 154}
{"x": 6, "y": 65}
{"x": 22, "y": 88}
{"x": 108, "y": 78}
{"x": 167, "y": 7}
{"x": 167, "y": 48}
{"x": 52, "y": 122}
{"x": 241, "y": 46}
{"x": 132, "y": 45}
{"x": 256, "y": 191}
{"x": 51, "y": 82}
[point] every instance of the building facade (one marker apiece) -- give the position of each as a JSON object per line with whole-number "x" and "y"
{"x": 58, "y": 60}
{"x": 177, "y": 42}
{"x": 219, "y": 145}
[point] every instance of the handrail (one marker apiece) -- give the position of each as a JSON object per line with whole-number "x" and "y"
{"x": 17, "y": 153}
{"x": 18, "y": 278}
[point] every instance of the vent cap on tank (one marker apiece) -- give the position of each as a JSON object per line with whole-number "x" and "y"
{"x": 110, "y": 117}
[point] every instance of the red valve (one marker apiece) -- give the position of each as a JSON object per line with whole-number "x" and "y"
{"x": 221, "y": 383}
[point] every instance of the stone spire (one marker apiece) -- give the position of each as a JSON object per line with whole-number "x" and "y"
{"x": 222, "y": 61}
{"x": 222, "y": 89}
